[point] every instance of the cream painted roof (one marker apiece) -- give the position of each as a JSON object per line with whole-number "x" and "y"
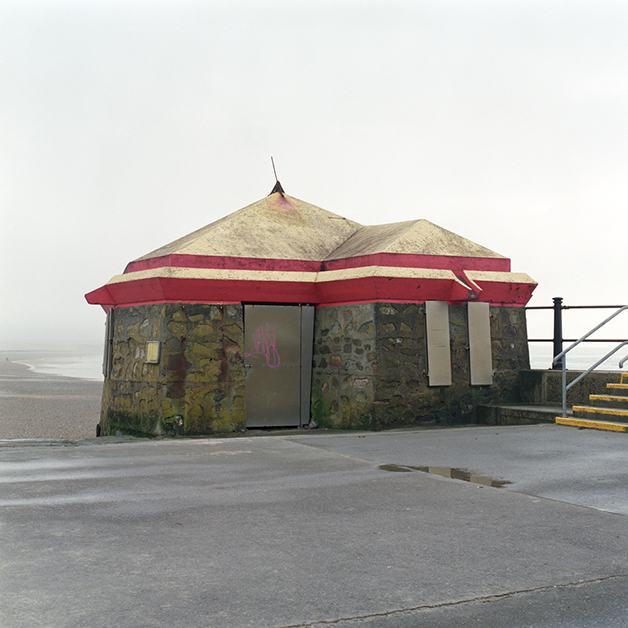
{"x": 224, "y": 274}
{"x": 283, "y": 227}
{"x": 484, "y": 275}
{"x": 276, "y": 227}
{"x": 415, "y": 237}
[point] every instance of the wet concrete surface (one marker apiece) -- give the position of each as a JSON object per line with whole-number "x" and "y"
{"x": 309, "y": 530}
{"x": 577, "y": 466}
{"x": 448, "y": 472}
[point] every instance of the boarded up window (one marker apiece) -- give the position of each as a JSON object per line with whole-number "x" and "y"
{"x": 438, "y": 348}
{"x": 480, "y": 360}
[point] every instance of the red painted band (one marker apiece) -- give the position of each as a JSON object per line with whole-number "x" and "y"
{"x": 362, "y": 289}
{"x": 401, "y": 260}
{"x": 405, "y": 260}
{"x": 228, "y": 263}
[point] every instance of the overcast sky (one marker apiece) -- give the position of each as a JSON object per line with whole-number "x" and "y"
{"x": 125, "y": 125}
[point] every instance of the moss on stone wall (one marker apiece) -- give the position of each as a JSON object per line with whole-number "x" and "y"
{"x": 198, "y": 385}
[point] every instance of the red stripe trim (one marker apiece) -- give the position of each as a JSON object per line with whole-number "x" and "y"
{"x": 341, "y": 303}
{"x": 107, "y": 308}
{"x": 402, "y": 260}
{"x": 357, "y": 290}
{"x": 167, "y": 289}
{"x": 391, "y": 288}
{"x": 363, "y": 289}
{"x": 505, "y": 293}
{"x": 227, "y": 263}
{"x": 138, "y": 303}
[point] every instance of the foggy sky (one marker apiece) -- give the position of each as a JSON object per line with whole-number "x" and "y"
{"x": 125, "y": 125}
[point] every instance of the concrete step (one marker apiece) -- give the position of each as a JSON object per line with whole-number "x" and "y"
{"x": 609, "y": 401}
{"x": 600, "y": 414}
{"x": 618, "y": 389}
{"x": 521, "y": 414}
{"x": 592, "y": 424}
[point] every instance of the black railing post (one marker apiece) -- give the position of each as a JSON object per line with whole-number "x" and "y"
{"x": 558, "y": 331}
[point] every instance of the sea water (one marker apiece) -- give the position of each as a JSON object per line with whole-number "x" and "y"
{"x": 81, "y": 361}
{"x": 580, "y": 358}
{"x": 82, "y": 367}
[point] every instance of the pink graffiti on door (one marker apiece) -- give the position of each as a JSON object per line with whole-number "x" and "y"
{"x": 264, "y": 343}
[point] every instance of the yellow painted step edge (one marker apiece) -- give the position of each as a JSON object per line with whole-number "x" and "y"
{"x": 594, "y": 425}
{"x": 592, "y": 410}
{"x": 608, "y": 398}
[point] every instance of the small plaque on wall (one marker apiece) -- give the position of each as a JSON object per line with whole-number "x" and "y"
{"x": 152, "y": 352}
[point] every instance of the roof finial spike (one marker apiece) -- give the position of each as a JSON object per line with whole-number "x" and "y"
{"x": 277, "y": 187}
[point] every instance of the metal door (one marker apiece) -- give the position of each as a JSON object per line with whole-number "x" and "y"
{"x": 278, "y": 363}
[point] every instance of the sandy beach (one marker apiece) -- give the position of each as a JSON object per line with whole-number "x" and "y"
{"x": 39, "y": 405}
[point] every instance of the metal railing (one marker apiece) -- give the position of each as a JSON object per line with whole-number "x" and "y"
{"x": 560, "y": 360}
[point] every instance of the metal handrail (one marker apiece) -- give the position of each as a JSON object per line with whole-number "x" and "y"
{"x": 562, "y": 356}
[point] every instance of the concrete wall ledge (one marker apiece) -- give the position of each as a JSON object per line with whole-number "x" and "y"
{"x": 540, "y": 397}
{"x": 492, "y": 414}
{"x": 544, "y": 387}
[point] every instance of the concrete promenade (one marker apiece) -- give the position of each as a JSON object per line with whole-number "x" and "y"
{"x": 316, "y": 528}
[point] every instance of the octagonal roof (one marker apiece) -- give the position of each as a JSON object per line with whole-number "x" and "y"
{"x": 283, "y": 250}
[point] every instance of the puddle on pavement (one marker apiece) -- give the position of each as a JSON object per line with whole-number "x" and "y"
{"x": 448, "y": 472}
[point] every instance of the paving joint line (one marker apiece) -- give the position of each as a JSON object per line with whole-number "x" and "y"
{"x": 476, "y": 600}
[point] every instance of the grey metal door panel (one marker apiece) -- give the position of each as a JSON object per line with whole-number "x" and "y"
{"x": 272, "y": 359}
{"x": 307, "y": 348}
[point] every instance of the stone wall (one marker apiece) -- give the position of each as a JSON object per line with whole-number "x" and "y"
{"x": 370, "y": 366}
{"x": 344, "y": 367}
{"x": 198, "y": 385}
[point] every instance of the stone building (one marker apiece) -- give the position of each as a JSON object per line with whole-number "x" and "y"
{"x": 282, "y": 312}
